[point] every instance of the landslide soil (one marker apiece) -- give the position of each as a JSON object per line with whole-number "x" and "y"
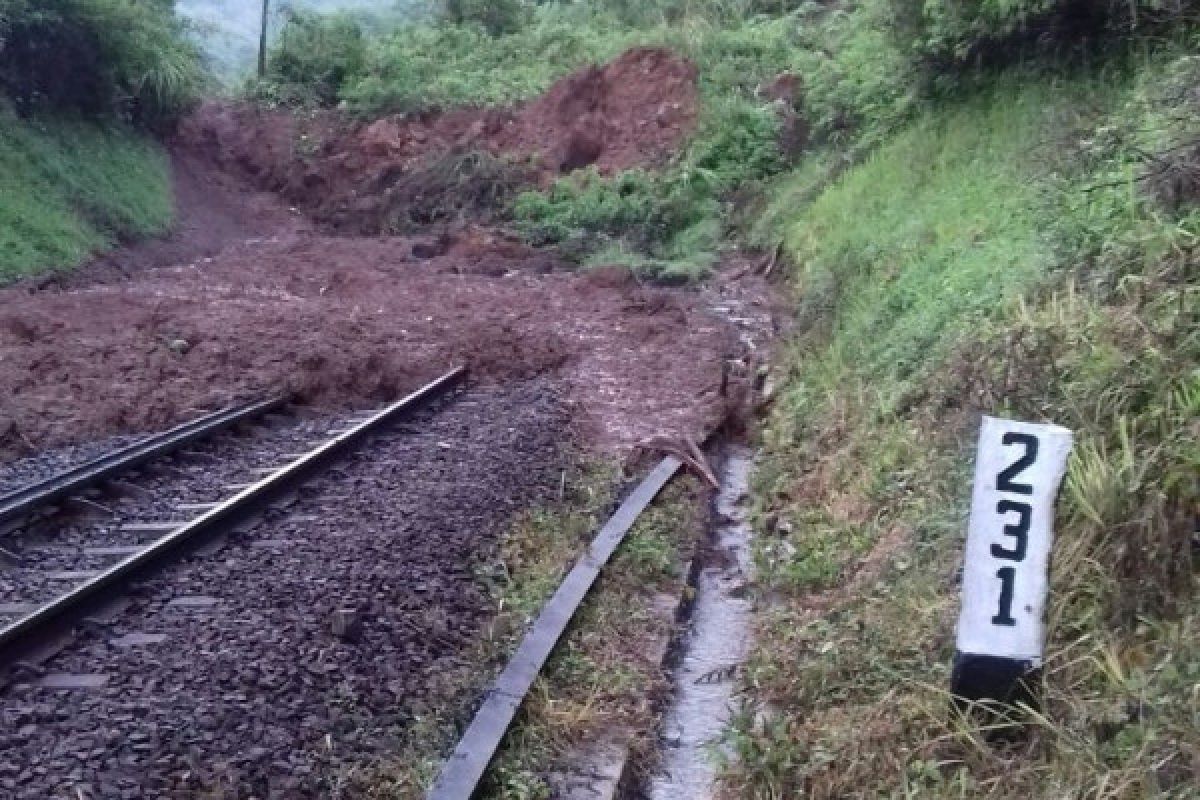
{"x": 349, "y": 176}
{"x": 247, "y": 298}
{"x": 346, "y": 322}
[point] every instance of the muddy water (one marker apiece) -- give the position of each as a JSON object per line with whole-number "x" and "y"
{"x": 717, "y": 642}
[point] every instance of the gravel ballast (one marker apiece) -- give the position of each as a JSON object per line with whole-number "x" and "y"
{"x": 251, "y": 693}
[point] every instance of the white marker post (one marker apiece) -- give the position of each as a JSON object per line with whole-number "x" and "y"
{"x": 1001, "y": 631}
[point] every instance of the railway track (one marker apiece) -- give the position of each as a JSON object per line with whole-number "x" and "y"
{"x": 17, "y": 506}
{"x": 53, "y": 585}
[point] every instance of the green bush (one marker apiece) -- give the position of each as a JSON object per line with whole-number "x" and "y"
{"x": 950, "y": 32}
{"x": 316, "y": 55}
{"x": 98, "y": 57}
{"x": 860, "y": 83}
{"x": 495, "y": 16}
{"x": 430, "y": 66}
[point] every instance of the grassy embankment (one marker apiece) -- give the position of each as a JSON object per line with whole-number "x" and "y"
{"x": 1001, "y": 254}
{"x": 77, "y": 173}
{"x": 72, "y": 188}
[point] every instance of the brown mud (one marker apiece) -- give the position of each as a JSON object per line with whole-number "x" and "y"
{"x": 636, "y": 111}
{"x": 248, "y": 297}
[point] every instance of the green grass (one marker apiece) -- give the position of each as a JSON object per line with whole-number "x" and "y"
{"x": 603, "y": 677}
{"x": 997, "y": 256}
{"x": 69, "y": 189}
{"x": 906, "y": 277}
{"x": 600, "y": 675}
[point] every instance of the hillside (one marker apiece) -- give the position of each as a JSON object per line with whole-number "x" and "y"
{"x": 983, "y": 260}
{"x": 72, "y": 188}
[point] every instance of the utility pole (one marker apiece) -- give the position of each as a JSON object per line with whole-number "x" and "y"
{"x": 262, "y": 41}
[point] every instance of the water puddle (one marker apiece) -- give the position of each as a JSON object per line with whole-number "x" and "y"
{"x": 717, "y": 643}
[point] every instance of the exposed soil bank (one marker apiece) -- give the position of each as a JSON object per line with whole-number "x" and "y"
{"x": 634, "y": 112}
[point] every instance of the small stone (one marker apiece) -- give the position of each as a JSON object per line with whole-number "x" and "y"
{"x": 346, "y": 624}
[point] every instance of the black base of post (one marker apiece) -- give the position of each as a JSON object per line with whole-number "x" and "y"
{"x": 992, "y": 680}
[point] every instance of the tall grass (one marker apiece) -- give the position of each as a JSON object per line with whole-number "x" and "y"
{"x": 70, "y": 188}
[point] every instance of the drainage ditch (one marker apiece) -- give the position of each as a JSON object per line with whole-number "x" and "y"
{"x": 713, "y": 647}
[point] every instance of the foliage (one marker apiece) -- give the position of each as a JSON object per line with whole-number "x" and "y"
{"x": 959, "y": 31}
{"x": 98, "y": 57}
{"x": 431, "y": 66}
{"x": 860, "y": 82}
{"x": 997, "y": 256}
{"x": 315, "y": 56}
{"x": 494, "y": 16}
{"x": 69, "y": 188}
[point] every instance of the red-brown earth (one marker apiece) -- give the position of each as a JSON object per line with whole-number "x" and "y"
{"x": 636, "y": 111}
{"x": 247, "y": 298}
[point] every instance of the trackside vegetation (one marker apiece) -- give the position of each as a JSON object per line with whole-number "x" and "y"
{"x": 1020, "y": 248}
{"x": 71, "y": 187}
{"x": 80, "y": 82}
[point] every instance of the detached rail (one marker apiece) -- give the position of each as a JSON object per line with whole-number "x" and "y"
{"x": 462, "y": 771}
{"x": 39, "y": 630}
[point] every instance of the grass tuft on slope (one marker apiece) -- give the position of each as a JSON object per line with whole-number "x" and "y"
{"x": 71, "y": 188}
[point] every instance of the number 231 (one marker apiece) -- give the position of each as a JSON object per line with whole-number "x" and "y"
{"x": 1019, "y": 531}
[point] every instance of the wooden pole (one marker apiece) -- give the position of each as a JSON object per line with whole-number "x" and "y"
{"x": 262, "y": 41}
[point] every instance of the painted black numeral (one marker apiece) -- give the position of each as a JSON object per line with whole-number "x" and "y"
{"x": 1005, "y": 482}
{"x": 1020, "y": 531}
{"x": 1008, "y": 577}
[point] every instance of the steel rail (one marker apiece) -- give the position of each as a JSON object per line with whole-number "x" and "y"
{"x": 26, "y": 500}
{"x": 462, "y": 771}
{"x": 31, "y": 632}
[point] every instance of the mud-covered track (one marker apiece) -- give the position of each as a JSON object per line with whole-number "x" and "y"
{"x": 17, "y": 505}
{"x": 223, "y": 674}
{"x": 36, "y": 632}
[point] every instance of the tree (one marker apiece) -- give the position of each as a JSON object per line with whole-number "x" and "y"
{"x": 496, "y": 16}
{"x": 129, "y": 57}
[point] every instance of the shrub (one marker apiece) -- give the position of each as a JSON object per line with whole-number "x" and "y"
{"x": 959, "y": 32}
{"x": 316, "y": 55}
{"x": 98, "y": 57}
{"x": 495, "y": 16}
